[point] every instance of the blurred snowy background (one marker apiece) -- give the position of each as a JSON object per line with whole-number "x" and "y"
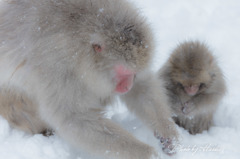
{"x": 216, "y": 22}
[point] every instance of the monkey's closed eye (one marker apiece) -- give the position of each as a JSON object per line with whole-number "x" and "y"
{"x": 97, "y": 48}
{"x": 202, "y": 85}
{"x": 180, "y": 85}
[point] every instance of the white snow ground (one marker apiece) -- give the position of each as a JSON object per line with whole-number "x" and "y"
{"x": 217, "y": 23}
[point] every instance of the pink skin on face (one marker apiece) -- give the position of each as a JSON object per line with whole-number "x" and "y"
{"x": 124, "y": 78}
{"x": 192, "y": 89}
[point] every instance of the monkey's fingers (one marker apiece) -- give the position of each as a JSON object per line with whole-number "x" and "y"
{"x": 168, "y": 146}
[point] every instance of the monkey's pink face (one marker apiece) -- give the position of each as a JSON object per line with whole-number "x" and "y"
{"x": 190, "y": 82}
{"x": 124, "y": 79}
{"x": 191, "y": 90}
{"x": 122, "y": 75}
{"x": 192, "y": 87}
{"x": 119, "y": 53}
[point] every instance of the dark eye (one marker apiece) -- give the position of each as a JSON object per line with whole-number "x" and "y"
{"x": 202, "y": 85}
{"x": 97, "y": 48}
{"x": 180, "y": 85}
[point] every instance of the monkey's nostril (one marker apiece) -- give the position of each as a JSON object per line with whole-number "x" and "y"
{"x": 97, "y": 48}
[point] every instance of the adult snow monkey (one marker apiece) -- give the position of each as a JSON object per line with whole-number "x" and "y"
{"x": 62, "y": 61}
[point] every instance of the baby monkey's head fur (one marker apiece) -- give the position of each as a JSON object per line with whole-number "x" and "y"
{"x": 192, "y": 68}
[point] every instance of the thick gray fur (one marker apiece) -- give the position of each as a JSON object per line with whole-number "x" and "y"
{"x": 51, "y": 77}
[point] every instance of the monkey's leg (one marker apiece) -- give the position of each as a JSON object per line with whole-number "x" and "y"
{"x": 20, "y": 110}
{"x": 149, "y": 103}
{"x": 91, "y": 132}
{"x": 201, "y": 123}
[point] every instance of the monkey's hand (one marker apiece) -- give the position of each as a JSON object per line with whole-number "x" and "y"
{"x": 168, "y": 145}
{"x": 187, "y": 107}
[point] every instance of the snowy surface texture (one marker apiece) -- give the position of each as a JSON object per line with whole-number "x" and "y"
{"x": 215, "y": 22}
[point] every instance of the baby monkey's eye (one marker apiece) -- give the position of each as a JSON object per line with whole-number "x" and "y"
{"x": 180, "y": 85}
{"x": 202, "y": 85}
{"x": 97, "y": 48}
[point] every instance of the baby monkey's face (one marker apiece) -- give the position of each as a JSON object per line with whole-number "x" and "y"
{"x": 192, "y": 89}
{"x": 192, "y": 82}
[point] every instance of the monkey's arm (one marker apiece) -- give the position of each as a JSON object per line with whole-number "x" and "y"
{"x": 88, "y": 130}
{"x": 200, "y": 103}
{"x": 148, "y": 101}
{"x": 210, "y": 99}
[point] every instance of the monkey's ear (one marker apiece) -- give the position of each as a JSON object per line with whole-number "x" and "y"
{"x": 97, "y": 48}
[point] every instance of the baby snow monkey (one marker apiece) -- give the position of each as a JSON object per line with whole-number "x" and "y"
{"x": 195, "y": 85}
